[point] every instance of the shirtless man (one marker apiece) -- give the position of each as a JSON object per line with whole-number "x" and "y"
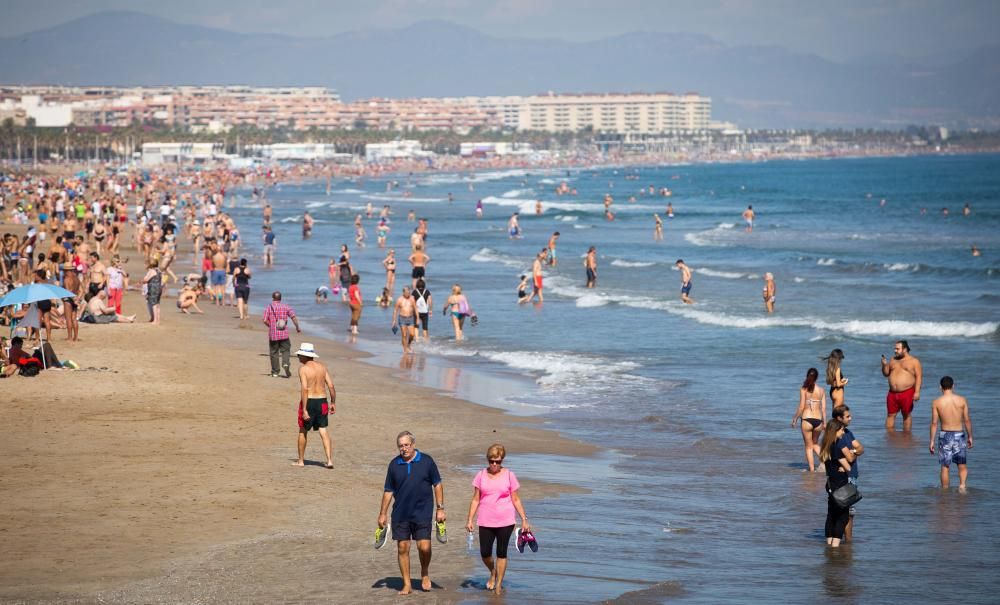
{"x": 419, "y": 261}
{"x": 267, "y": 214}
{"x": 513, "y": 227}
{"x": 952, "y": 442}
{"x": 315, "y": 381}
{"x": 748, "y": 215}
{"x": 404, "y": 315}
{"x": 769, "y": 291}
{"x": 685, "y": 281}
{"x": 552, "y": 249}
{"x": 98, "y": 275}
{"x": 536, "y": 276}
{"x": 218, "y": 278}
{"x": 590, "y": 264}
{"x": 905, "y": 375}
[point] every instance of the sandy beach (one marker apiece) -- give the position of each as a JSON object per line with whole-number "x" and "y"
{"x": 161, "y": 471}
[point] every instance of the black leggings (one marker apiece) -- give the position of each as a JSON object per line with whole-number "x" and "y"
{"x": 500, "y": 534}
{"x": 836, "y": 518}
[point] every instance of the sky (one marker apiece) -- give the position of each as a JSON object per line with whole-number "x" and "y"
{"x": 839, "y": 30}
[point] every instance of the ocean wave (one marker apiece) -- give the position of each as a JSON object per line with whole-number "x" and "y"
{"x": 724, "y": 274}
{"x": 316, "y": 204}
{"x": 578, "y": 226}
{"x": 389, "y": 197}
{"x": 826, "y": 262}
{"x": 709, "y": 237}
{"x": 517, "y": 193}
{"x": 626, "y": 263}
{"x": 567, "y": 219}
{"x": 901, "y": 266}
{"x": 489, "y": 255}
{"x": 348, "y": 190}
{"x": 558, "y": 369}
{"x": 593, "y": 300}
{"x": 857, "y": 327}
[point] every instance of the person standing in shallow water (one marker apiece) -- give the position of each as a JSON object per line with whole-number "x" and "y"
{"x": 837, "y": 461}
{"x": 834, "y": 377}
{"x": 953, "y": 442}
{"x": 812, "y": 412}
{"x": 905, "y": 376}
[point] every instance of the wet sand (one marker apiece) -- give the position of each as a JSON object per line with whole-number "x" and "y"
{"x": 161, "y": 471}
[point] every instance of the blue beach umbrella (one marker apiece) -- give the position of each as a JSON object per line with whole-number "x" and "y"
{"x": 34, "y": 293}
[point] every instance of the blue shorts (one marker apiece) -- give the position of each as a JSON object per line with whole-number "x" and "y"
{"x": 218, "y": 277}
{"x": 952, "y": 446}
{"x": 686, "y": 288}
{"x": 411, "y": 530}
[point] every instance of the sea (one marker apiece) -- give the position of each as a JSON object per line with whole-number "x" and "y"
{"x": 700, "y": 493}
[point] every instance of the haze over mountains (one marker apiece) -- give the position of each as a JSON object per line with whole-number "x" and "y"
{"x": 754, "y": 86}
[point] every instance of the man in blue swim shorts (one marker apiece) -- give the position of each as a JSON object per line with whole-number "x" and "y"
{"x": 953, "y": 443}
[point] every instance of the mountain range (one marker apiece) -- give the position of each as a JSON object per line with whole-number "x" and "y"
{"x": 754, "y": 86}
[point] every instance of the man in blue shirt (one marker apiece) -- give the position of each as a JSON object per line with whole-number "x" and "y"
{"x": 414, "y": 482}
{"x": 843, "y": 414}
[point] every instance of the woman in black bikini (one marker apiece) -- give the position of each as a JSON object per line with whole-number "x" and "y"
{"x": 834, "y": 377}
{"x": 812, "y": 411}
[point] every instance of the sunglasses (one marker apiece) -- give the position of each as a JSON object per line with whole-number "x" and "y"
{"x": 496, "y": 461}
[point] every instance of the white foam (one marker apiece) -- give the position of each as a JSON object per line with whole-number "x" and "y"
{"x": 316, "y": 204}
{"x": 291, "y": 219}
{"x": 489, "y": 255}
{"x": 592, "y": 300}
{"x": 517, "y": 193}
{"x": 348, "y": 190}
{"x": 567, "y": 219}
{"x": 900, "y": 267}
{"x": 798, "y": 280}
{"x": 723, "y": 274}
{"x": 578, "y": 226}
{"x": 884, "y": 327}
{"x": 560, "y": 368}
{"x": 626, "y": 263}
{"x": 401, "y": 199}
{"x": 826, "y": 262}
{"x": 709, "y": 237}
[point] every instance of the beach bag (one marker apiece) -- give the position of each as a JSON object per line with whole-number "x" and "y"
{"x": 29, "y": 366}
{"x": 421, "y": 304}
{"x": 463, "y": 306}
{"x": 847, "y": 495}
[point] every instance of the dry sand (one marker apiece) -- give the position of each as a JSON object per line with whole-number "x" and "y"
{"x": 161, "y": 472}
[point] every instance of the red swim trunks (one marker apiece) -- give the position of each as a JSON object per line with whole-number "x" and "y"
{"x": 538, "y": 282}
{"x": 900, "y": 402}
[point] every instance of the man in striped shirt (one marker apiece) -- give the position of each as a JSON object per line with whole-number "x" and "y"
{"x": 276, "y": 317}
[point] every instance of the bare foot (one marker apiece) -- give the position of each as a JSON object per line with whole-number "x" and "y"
{"x": 407, "y": 589}
{"x": 328, "y": 465}
{"x": 490, "y": 583}
{"x": 425, "y": 584}
{"x": 299, "y": 463}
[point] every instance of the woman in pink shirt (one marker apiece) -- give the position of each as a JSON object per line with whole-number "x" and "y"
{"x": 495, "y": 497}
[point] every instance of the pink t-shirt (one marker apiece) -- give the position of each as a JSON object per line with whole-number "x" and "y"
{"x": 496, "y": 508}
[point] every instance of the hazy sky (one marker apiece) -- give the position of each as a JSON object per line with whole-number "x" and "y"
{"x": 838, "y": 29}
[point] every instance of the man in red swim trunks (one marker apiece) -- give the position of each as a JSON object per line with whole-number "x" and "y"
{"x": 536, "y": 274}
{"x": 905, "y": 376}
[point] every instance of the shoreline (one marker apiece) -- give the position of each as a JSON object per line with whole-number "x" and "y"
{"x": 149, "y": 476}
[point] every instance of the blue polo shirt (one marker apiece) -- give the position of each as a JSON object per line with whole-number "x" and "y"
{"x": 412, "y": 486}
{"x": 846, "y": 441}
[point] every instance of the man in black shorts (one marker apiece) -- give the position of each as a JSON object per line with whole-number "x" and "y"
{"x": 414, "y": 482}
{"x": 313, "y": 404}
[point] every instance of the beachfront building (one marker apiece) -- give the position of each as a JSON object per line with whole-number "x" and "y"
{"x": 395, "y": 150}
{"x": 494, "y": 149}
{"x": 300, "y": 152}
{"x": 181, "y": 153}
{"x": 640, "y": 113}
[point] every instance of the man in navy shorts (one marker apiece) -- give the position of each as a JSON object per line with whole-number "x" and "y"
{"x": 414, "y": 482}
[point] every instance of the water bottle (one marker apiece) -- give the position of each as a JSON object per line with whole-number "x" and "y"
{"x": 470, "y": 547}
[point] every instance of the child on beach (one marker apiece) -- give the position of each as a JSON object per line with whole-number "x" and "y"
{"x": 385, "y": 299}
{"x": 522, "y": 290}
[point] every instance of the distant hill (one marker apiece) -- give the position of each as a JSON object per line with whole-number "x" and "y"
{"x": 755, "y": 86}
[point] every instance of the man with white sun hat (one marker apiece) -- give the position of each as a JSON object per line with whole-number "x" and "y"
{"x": 314, "y": 407}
